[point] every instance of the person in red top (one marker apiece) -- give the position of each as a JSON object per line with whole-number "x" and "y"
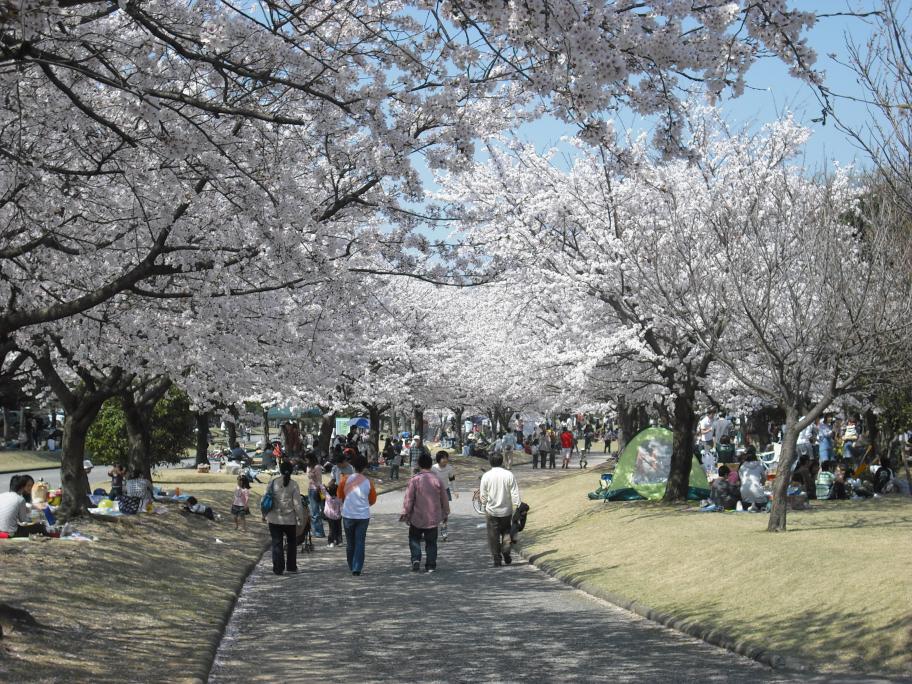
{"x": 424, "y": 508}
{"x": 566, "y": 440}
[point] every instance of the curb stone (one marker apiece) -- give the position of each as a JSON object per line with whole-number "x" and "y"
{"x": 203, "y": 668}
{"x": 709, "y": 634}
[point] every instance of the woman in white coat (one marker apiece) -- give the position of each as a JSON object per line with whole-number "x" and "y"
{"x": 753, "y": 475}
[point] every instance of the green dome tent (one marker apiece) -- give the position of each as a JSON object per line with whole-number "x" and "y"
{"x": 642, "y": 470}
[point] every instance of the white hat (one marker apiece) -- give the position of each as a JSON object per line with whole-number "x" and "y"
{"x": 87, "y": 465}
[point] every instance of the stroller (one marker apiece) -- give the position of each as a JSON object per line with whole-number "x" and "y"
{"x": 303, "y": 536}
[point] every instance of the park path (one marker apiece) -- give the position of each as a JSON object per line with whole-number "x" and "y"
{"x": 467, "y": 622}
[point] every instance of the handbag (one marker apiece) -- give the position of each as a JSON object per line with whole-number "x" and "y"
{"x": 267, "y": 503}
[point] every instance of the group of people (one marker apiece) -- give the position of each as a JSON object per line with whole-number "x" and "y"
{"x": 818, "y": 480}
{"x": 348, "y": 496}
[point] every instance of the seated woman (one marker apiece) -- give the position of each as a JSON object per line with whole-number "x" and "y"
{"x": 722, "y": 492}
{"x": 137, "y": 493}
{"x": 841, "y": 487}
{"x": 883, "y": 476}
{"x": 803, "y": 478}
{"x": 14, "y": 513}
{"x": 753, "y": 474}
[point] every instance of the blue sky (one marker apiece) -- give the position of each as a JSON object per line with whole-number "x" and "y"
{"x": 772, "y": 91}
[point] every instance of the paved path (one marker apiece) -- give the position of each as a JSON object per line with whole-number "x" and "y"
{"x": 468, "y": 622}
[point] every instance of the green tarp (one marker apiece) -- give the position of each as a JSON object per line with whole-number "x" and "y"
{"x": 642, "y": 470}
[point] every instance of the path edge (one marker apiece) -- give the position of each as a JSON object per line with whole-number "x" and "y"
{"x": 212, "y": 647}
{"x": 207, "y": 655}
{"x": 711, "y": 635}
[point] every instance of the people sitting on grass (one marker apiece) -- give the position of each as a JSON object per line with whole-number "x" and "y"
{"x": 825, "y": 480}
{"x": 15, "y": 520}
{"x": 137, "y": 493}
{"x": 723, "y": 492}
{"x": 884, "y": 476}
{"x": 803, "y": 478}
{"x": 752, "y": 474}
{"x": 842, "y": 489}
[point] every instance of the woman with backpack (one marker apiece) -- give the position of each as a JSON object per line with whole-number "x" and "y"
{"x": 284, "y": 515}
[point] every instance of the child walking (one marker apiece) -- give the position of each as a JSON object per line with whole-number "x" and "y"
{"x": 332, "y": 511}
{"x": 239, "y": 507}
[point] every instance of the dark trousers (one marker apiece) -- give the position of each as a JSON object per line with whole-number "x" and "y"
{"x": 498, "y": 536}
{"x": 416, "y": 534}
{"x": 394, "y": 472}
{"x": 355, "y": 541}
{"x": 551, "y": 455}
{"x": 283, "y": 534}
{"x": 335, "y": 531}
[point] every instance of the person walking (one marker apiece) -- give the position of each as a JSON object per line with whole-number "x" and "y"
{"x": 314, "y": 489}
{"x": 415, "y": 451}
{"x": 357, "y": 494}
{"x": 499, "y": 495}
{"x": 543, "y": 448}
{"x": 566, "y": 442}
{"x": 286, "y": 514}
{"x": 507, "y": 445}
{"x": 393, "y": 456}
{"x": 425, "y": 507}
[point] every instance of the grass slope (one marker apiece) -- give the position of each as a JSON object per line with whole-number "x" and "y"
{"x": 845, "y": 565}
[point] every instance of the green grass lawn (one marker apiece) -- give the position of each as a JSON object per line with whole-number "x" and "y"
{"x": 835, "y": 590}
{"x": 21, "y": 461}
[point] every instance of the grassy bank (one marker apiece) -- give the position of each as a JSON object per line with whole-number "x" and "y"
{"x": 22, "y": 461}
{"x": 145, "y": 602}
{"x": 834, "y": 591}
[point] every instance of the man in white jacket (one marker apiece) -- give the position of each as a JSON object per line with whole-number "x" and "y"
{"x": 499, "y": 495}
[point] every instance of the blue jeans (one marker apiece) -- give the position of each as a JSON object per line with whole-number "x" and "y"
{"x": 430, "y": 545}
{"x": 848, "y": 452}
{"x": 316, "y": 515}
{"x": 826, "y": 450}
{"x": 355, "y": 539}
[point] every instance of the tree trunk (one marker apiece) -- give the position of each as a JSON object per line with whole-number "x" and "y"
{"x": 374, "y": 415}
{"x": 73, "y": 479}
{"x": 202, "y": 441}
{"x": 625, "y": 423}
{"x": 266, "y": 439}
{"x": 327, "y": 425}
{"x": 5, "y": 427}
{"x": 138, "y": 420}
{"x": 682, "y": 451}
{"x": 418, "y": 417}
{"x": 872, "y": 433}
{"x": 231, "y": 429}
{"x": 787, "y": 457}
{"x": 458, "y": 425}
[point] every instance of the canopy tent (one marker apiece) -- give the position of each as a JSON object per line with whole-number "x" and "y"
{"x": 642, "y": 470}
